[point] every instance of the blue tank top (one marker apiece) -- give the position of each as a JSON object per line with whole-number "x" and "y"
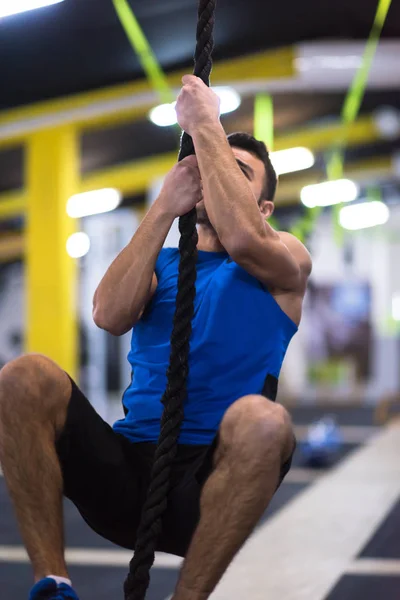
{"x": 240, "y": 336}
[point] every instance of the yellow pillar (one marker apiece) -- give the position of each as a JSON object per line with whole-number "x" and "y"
{"x": 52, "y": 175}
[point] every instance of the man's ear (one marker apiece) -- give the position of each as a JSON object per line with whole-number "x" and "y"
{"x": 267, "y": 208}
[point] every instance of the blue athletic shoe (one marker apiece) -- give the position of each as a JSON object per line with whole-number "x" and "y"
{"x": 48, "y": 589}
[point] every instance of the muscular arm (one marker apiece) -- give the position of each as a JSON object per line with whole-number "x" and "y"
{"x": 130, "y": 282}
{"x": 235, "y": 215}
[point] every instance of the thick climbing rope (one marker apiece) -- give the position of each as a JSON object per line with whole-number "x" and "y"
{"x": 174, "y": 396}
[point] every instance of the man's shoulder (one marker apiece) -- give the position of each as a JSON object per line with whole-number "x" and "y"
{"x": 292, "y": 241}
{"x": 298, "y": 250}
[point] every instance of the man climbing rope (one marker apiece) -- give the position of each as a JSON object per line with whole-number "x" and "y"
{"x": 236, "y": 444}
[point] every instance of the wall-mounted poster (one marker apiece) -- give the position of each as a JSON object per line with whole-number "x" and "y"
{"x": 339, "y": 332}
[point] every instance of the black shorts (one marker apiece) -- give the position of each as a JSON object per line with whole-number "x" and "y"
{"x": 106, "y": 477}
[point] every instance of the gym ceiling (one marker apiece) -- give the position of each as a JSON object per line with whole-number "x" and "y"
{"x": 79, "y": 46}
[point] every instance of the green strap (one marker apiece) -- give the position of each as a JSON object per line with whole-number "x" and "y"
{"x": 350, "y": 110}
{"x": 352, "y": 104}
{"x": 141, "y": 46}
{"x": 355, "y": 95}
{"x": 264, "y": 129}
{"x": 264, "y": 119}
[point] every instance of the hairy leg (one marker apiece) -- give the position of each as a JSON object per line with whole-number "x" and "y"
{"x": 256, "y": 438}
{"x": 34, "y": 397}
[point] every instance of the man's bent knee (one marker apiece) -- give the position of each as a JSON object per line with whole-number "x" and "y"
{"x": 257, "y": 422}
{"x": 34, "y": 380}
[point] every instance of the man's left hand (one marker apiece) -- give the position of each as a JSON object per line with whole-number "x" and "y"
{"x": 197, "y": 105}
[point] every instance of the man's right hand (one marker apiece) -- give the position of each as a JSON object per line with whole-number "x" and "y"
{"x": 182, "y": 188}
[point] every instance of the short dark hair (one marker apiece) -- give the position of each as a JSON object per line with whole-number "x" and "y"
{"x": 249, "y": 143}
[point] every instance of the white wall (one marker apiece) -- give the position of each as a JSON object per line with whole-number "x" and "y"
{"x": 12, "y": 311}
{"x": 109, "y": 234}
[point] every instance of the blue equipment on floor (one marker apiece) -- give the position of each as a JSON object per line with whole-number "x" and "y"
{"x": 323, "y": 443}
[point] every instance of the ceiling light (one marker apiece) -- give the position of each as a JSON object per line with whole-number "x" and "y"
{"x": 366, "y": 214}
{"x": 93, "y": 203}
{"x": 230, "y": 99}
{"x": 387, "y": 120}
{"x": 333, "y": 62}
{"x": 292, "y": 159}
{"x": 164, "y": 115}
{"x": 329, "y": 193}
{"x": 13, "y": 7}
{"x": 78, "y": 244}
{"x": 396, "y": 306}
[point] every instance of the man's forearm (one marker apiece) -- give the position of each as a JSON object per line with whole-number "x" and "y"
{"x": 229, "y": 201}
{"x": 124, "y": 289}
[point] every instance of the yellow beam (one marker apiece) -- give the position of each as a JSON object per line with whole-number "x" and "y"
{"x": 135, "y": 178}
{"x": 130, "y": 178}
{"x": 12, "y": 204}
{"x": 362, "y": 171}
{"x": 362, "y": 131}
{"x": 52, "y": 171}
{"x": 118, "y": 103}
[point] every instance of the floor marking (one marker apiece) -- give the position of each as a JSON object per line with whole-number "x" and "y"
{"x": 90, "y": 556}
{"x": 374, "y": 566}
